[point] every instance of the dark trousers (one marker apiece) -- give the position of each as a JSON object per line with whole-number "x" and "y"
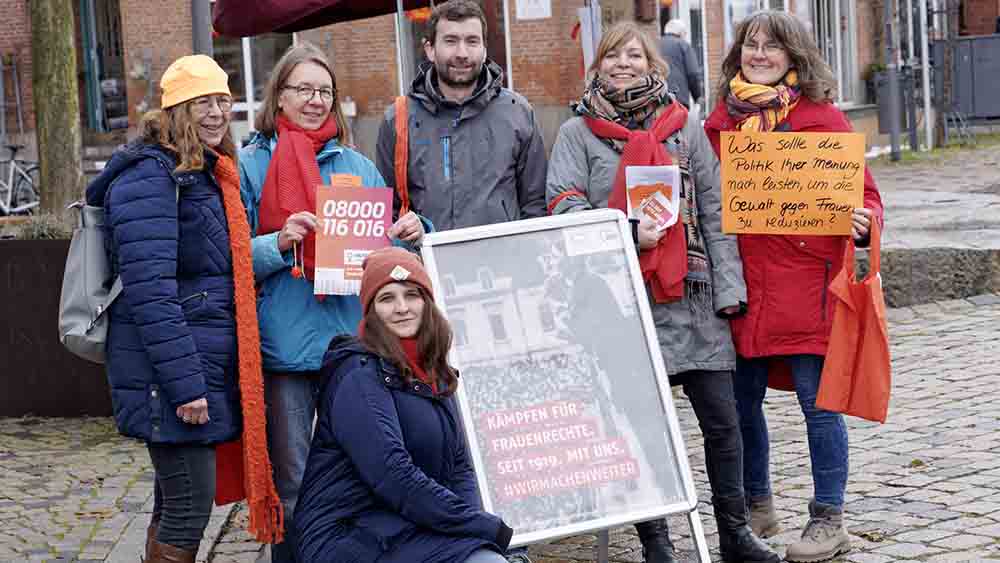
{"x": 714, "y": 403}
{"x": 184, "y": 492}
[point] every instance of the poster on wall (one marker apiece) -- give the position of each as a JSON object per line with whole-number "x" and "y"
{"x": 534, "y": 9}
{"x": 563, "y": 389}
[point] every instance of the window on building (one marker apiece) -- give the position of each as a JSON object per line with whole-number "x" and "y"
{"x": 547, "y": 318}
{"x": 486, "y": 278}
{"x": 249, "y": 61}
{"x": 450, "y": 288}
{"x": 833, "y": 25}
{"x": 497, "y": 326}
{"x": 460, "y": 330}
{"x": 737, "y": 10}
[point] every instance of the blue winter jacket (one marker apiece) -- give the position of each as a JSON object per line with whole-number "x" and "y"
{"x": 172, "y": 332}
{"x": 295, "y": 327}
{"x": 388, "y": 477}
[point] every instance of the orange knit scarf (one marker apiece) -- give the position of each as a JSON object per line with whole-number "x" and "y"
{"x": 243, "y": 467}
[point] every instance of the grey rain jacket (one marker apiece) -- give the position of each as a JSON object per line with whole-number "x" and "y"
{"x": 475, "y": 163}
{"x": 692, "y": 335}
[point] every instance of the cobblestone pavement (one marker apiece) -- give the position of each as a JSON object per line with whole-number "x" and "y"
{"x": 925, "y": 486}
{"x": 943, "y": 202}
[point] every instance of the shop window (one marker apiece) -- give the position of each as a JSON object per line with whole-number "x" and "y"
{"x": 249, "y": 62}
{"x": 833, "y": 25}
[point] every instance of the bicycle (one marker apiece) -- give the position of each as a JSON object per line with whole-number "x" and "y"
{"x": 19, "y": 181}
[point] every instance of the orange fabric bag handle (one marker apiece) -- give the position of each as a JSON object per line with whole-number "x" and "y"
{"x": 402, "y": 155}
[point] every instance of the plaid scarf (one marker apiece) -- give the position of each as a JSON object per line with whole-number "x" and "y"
{"x": 629, "y": 107}
{"x": 757, "y": 107}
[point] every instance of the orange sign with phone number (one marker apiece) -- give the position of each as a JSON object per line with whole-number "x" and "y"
{"x": 351, "y": 222}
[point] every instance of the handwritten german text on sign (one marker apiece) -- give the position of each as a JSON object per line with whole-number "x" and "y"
{"x": 351, "y": 223}
{"x": 791, "y": 183}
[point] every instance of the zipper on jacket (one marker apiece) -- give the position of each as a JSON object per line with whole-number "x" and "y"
{"x": 446, "y": 157}
{"x": 826, "y": 282}
{"x": 201, "y": 294}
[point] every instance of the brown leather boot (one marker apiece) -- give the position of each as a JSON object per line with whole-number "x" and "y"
{"x": 154, "y": 524}
{"x": 166, "y": 553}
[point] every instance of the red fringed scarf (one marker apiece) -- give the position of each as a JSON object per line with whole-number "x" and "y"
{"x": 665, "y": 266}
{"x": 292, "y": 177}
{"x": 243, "y": 467}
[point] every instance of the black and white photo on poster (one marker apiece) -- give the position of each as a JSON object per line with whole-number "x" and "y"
{"x": 564, "y": 406}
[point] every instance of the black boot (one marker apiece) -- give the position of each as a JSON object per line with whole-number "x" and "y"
{"x": 655, "y": 538}
{"x": 737, "y": 543}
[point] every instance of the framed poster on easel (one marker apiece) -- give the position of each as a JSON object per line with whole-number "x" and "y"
{"x": 563, "y": 390}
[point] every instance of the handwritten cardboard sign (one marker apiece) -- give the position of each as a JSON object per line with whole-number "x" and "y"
{"x": 352, "y": 222}
{"x": 791, "y": 183}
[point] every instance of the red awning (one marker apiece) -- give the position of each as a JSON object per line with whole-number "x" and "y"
{"x": 242, "y": 18}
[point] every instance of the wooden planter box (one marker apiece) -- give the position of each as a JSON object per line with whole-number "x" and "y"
{"x": 37, "y": 375}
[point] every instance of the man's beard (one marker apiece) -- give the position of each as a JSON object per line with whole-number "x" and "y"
{"x": 445, "y": 76}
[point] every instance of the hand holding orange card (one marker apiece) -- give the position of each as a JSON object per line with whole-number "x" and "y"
{"x": 654, "y": 192}
{"x": 352, "y": 222}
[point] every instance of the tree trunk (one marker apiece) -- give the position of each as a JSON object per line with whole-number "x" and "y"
{"x": 57, "y": 106}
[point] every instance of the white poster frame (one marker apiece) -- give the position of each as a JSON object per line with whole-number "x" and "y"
{"x": 435, "y": 242}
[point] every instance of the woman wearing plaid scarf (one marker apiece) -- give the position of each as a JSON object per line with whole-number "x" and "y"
{"x": 775, "y": 79}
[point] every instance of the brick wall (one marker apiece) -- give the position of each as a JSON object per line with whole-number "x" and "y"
{"x": 157, "y": 32}
{"x": 15, "y": 40}
{"x": 980, "y": 16}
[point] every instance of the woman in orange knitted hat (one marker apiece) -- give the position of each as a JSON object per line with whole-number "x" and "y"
{"x": 183, "y": 347}
{"x": 389, "y": 478}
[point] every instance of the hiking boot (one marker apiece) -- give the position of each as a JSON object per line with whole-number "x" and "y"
{"x": 824, "y": 537}
{"x": 655, "y": 538}
{"x": 763, "y": 517}
{"x": 518, "y": 557}
{"x": 166, "y": 553}
{"x": 737, "y": 543}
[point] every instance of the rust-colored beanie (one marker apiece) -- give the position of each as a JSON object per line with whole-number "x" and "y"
{"x": 190, "y": 77}
{"x": 387, "y": 265}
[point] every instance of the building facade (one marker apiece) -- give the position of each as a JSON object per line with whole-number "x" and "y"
{"x": 124, "y": 46}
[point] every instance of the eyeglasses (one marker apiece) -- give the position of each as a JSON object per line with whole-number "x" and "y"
{"x": 306, "y": 93}
{"x": 770, "y": 48}
{"x": 203, "y": 105}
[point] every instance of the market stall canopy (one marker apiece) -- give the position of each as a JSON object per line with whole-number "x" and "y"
{"x": 239, "y": 18}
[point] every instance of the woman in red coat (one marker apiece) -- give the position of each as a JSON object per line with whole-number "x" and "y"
{"x": 774, "y": 79}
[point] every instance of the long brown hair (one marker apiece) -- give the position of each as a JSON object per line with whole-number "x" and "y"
{"x": 434, "y": 339}
{"x": 816, "y": 79}
{"x": 176, "y": 130}
{"x": 617, "y": 36}
{"x": 303, "y": 52}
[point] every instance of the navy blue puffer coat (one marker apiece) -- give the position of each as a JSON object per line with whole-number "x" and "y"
{"x": 388, "y": 477}
{"x": 172, "y": 332}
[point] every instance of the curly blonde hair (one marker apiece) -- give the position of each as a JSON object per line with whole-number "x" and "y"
{"x": 176, "y": 130}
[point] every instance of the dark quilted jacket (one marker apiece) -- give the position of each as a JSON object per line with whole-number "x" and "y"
{"x": 172, "y": 334}
{"x": 388, "y": 477}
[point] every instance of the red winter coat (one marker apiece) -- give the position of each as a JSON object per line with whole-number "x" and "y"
{"x": 788, "y": 307}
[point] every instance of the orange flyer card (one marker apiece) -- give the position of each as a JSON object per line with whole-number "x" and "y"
{"x": 654, "y": 192}
{"x": 352, "y": 222}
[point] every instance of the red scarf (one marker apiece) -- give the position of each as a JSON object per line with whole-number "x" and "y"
{"x": 415, "y": 361}
{"x": 243, "y": 468}
{"x": 665, "y": 266}
{"x": 292, "y": 177}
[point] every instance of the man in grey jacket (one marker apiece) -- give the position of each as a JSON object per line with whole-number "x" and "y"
{"x": 684, "y": 79}
{"x": 476, "y": 155}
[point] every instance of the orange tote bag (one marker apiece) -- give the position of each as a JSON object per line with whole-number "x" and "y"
{"x": 857, "y": 377}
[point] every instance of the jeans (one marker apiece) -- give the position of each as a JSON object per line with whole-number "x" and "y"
{"x": 291, "y": 408}
{"x": 826, "y": 431}
{"x": 184, "y": 492}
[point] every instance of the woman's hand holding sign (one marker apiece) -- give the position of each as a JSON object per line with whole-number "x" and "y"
{"x": 408, "y": 228}
{"x": 861, "y": 223}
{"x": 297, "y": 227}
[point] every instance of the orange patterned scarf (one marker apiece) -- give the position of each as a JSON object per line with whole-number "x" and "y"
{"x": 243, "y": 467}
{"x": 757, "y": 107}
